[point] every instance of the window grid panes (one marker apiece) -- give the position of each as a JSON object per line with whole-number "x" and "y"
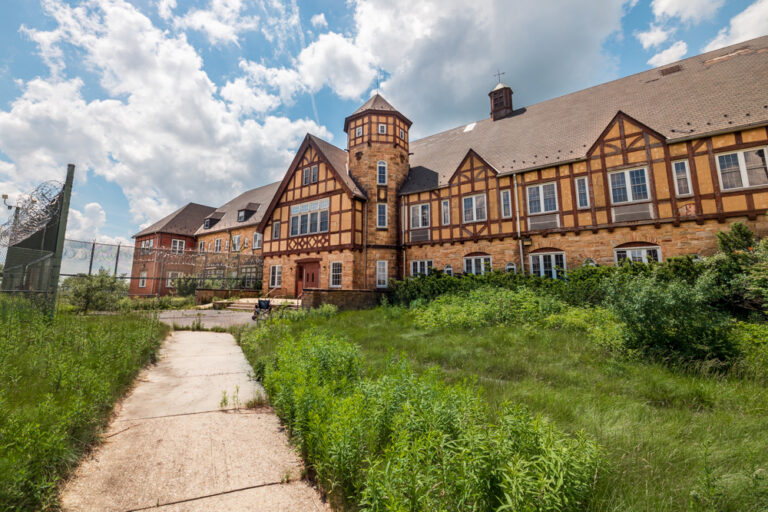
{"x": 309, "y": 218}
{"x": 506, "y": 203}
{"x": 336, "y": 274}
{"x": 177, "y": 246}
{"x": 257, "y": 240}
{"x": 474, "y": 208}
{"x": 236, "y": 243}
{"x": 682, "y": 182}
{"x": 381, "y": 215}
{"x": 275, "y": 276}
{"x": 420, "y": 216}
{"x": 477, "y": 265}
{"x": 542, "y": 198}
{"x": 628, "y": 186}
{"x": 582, "y": 195}
{"x": 420, "y": 267}
{"x": 276, "y": 230}
{"x": 217, "y": 245}
{"x": 381, "y": 173}
{"x": 445, "y": 207}
{"x": 382, "y": 274}
{"x": 757, "y": 172}
{"x": 382, "y": 129}
{"x": 143, "y": 279}
{"x": 550, "y": 264}
{"x": 638, "y": 254}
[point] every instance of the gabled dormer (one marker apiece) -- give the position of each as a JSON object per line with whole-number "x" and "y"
{"x": 212, "y": 219}
{"x": 247, "y": 211}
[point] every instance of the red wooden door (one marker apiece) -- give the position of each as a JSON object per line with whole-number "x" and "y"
{"x": 307, "y": 276}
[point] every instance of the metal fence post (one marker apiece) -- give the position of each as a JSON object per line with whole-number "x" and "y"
{"x": 62, "y": 228}
{"x": 90, "y": 263}
{"x": 117, "y": 258}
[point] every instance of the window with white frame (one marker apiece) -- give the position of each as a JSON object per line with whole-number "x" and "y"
{"x": 381, "y": 172}
{"x": 628, "y": 186}
{"x": 359, "y": 131}
{"x": 201, "y": 246}
{"x": 548, "y": 264}
{"x": 146, "y": 246}
{"x": 177, "y": 246}
{"x": 241, "y": 216}
{"x": 542, "y": 198}
{"x": 420, "y": 216}
{"x": 275, "y": 230}
{"x": 682, "y": 178}
{"x": 638, "y": 254}
{"x": 474, "y": 208}
{"x": 275, "y": 276}
{"x": 170, "y": 282}
{"x": 743, "y": 169}
{"x": 314, "y": 172}
{"x": 506, "y": 204}
{"x": 217, "y": 245}
{"x": 445, "y": 212}
{"x": 257, "y": 240}
{"x": 335, "y": 274}
{"x": 236, "y": 243}
{"x": 382, "y": 128}
{"x": 382, "y": 274}
{"x": 143, "y": 279}
{"x": 448, "y": 270}
{"x": 402, "y": 134}
{"x": 420, "y": 267}
{"x": 309, "y": 218}
{"x": 477, "y": 264}
{"x": 226, "y": 245}
{"x": 510, "y": 267}
{"x": 207, "y": 223}
{"x": 305, "y": 176}
{"x": 381, "y": 215}
{"x": 582, "y": 193}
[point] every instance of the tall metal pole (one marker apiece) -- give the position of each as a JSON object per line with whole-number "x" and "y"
{"x": 117, "y": 257}
{"x": 90, "y": 263}
{"x": 56, "y": 266}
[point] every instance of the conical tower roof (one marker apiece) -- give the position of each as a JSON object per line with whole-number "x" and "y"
{"x": 375, "y": 103}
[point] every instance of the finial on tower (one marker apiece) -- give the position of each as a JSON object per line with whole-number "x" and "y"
{"x": 499, "y": 74}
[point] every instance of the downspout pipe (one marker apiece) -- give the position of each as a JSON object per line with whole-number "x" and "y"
{"x": 517, "y": 218}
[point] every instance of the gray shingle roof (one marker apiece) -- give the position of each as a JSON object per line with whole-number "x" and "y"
{"x": 183, "y": 221}
{"x": 375, "y": 102}
{"x": 227, "y": 214}
{"x": 720, "y": 90}
{"x": 338, "y": 159}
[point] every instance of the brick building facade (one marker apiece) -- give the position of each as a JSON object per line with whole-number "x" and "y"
{"x": 644, "y": 168}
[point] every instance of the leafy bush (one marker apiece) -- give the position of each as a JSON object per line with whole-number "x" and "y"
{"x": 58, "y": 381}
{"x": 739, "y": 238}
{"x": 670, "y": 320}
{"x": 751, "y": 340}
{"x": 185, "y": 286}
{"x": 408, "y": 442}
{"x": 101, "y": 291}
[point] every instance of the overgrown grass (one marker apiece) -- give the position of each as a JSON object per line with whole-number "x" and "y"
{"x": 671, "y": 439}
{"x": 59, "y": 379}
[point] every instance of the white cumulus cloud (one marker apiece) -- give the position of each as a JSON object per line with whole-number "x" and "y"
{"x": 319, "y": 21}
{"x": 693, "y": 11}
{"x": 675, "y": 52}
{"x": 221, "y": 22}
{"x": 750, "y": 23}
{"x": 653, "y": 37}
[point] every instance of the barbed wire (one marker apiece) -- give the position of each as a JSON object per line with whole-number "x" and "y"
{"x": 33, "y": 212}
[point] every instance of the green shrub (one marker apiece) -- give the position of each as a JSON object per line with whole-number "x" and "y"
{"x": 185, "y": 286}
{"x": 100, "y": 292}
{"x": 751, "y": 339}
{"x": 670, "y": 320}
{"x": 408, "y": 442}
{"x": 738, "y": 238}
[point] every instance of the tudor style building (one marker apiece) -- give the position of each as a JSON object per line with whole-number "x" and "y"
{"x": 643, "y": 168}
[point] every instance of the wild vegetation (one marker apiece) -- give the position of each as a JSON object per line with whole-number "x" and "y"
{"x": 663, "y": 366}
{"x": 59, "y": 379}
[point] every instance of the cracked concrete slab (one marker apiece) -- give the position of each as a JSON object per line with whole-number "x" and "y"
{"x": 170, "y": 443}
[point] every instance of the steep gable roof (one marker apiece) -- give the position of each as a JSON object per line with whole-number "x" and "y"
{"x": 183, "y": 221}
{"x": 375, "y": 103}
{"x": 255, "y": 199}
{"x": 717, "y": 91}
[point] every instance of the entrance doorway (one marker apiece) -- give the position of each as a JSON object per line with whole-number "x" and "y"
{"x": 307, "y": 276}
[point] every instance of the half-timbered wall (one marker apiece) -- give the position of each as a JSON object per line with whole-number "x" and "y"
{"x": 344, "y": 215}
{"x": 369, "y": 133}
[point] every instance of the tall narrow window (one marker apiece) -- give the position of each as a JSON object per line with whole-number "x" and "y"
{"x": 359, "y": 131}
{"x": 420, "y": 216}
{"x": 582, "y": 194}
{"x": 506, "y": 204}
{"x": 313, "y": 174}
{"x": 305, "y": 175}
{"x": 383, "y": 129}
{"x": 474, "y": 208}
{"x": 201, "y": 246}
{"x": 402, "y": 134}
{"x": 682, "y": 178}
{"x": 381, "y": 172}
{"x": 382, "y": 274}
{"x": 381, "y": 215}
{"x": 275, "y": 276}
{"x": 217, "y": 245}
{"x": 542, "y": 198}
{"x": 445, "y": 211}
{"x": 336, "y": 274}
{"x": 257, "y": 240}
{"x": 143, "y": 279}
{"x": 550, "y": 264}
{"x": 275, "y": 230}
{"x": 628, "y": 186}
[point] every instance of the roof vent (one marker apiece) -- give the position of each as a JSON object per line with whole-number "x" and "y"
{"x": 671, "y": 69}
{"x": 469, "y": 127}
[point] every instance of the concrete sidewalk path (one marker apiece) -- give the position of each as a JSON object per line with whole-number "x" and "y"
{"x": 172, "y": 447}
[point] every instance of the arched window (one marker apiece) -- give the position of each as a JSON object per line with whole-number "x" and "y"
{"x": 510, "y": 267}
{"x": 448, "y": 270}
{"x": 637, "y": 252}
{"x": 381, "y": 172}
{"x": 548, "y": 263}
{"x": 589, "y": 262}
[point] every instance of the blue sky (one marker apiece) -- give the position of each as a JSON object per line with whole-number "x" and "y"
{"x": 163, "y": 102}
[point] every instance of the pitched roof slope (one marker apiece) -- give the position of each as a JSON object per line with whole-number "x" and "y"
{"x": 719, "y": 90}
{"x": 375, "y": 102}
{"x": 337, "y": 157}
{"x": 227, "y": 213}
{"x": 183, "y": 221}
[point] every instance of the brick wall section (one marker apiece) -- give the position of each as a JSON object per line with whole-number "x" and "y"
{"x": 343, "y": 299}
{"x": 688, "y": 238}
{"x": 156, "y": 266}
